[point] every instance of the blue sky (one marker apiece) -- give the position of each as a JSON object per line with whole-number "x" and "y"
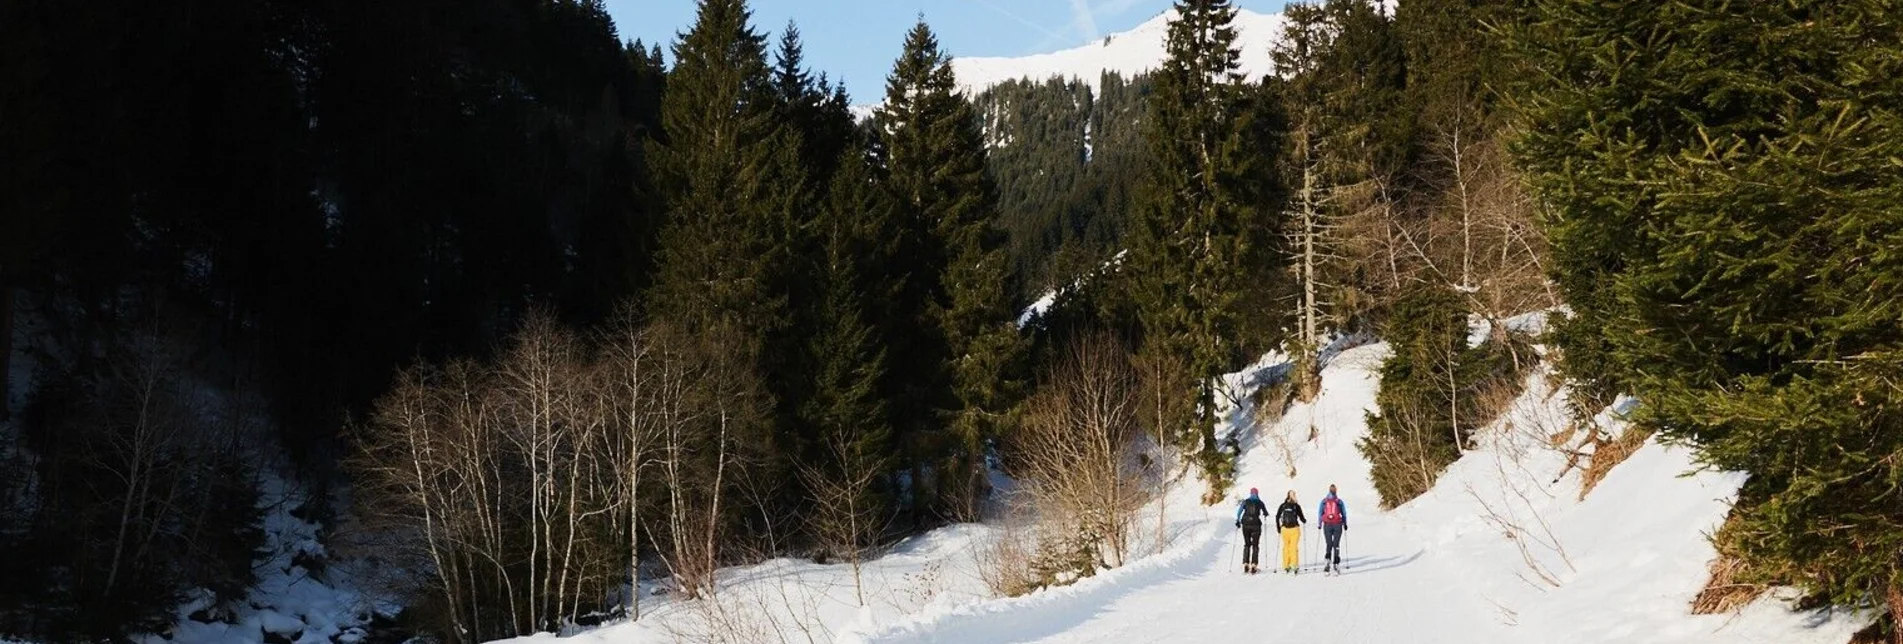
{"x": 856, "y": 40}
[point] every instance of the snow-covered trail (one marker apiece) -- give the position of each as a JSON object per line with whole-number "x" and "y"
{"x": 1216, "y": 604}
{"x": 1384, "y": 559}
{"x": 1501, "y": 550}
{"x": 1621, "y": 565}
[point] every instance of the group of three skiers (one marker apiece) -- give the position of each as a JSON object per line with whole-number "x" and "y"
{"x": 1289, "y": 518}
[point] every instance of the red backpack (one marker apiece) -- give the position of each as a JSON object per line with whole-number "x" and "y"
{"x": 1331, "y": 511}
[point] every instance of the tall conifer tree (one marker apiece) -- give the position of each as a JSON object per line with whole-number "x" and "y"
{"x": 955, "y": 284}
{"x": 846, "y": 410}
{"x": 1199, "y": 216}
{"x": 730, "y": 178}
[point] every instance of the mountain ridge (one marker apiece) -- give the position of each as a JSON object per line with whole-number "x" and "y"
{"x": 1130, "y": 52}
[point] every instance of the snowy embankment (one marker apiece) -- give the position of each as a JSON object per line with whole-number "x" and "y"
{"x": 1502, "y": 549}
{"x": 290, "y": 603}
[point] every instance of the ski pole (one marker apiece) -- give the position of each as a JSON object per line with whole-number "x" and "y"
{"x": 1233, "y": 537}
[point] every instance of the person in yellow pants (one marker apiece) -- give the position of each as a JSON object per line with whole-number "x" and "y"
{"x": 1289, "y": 519}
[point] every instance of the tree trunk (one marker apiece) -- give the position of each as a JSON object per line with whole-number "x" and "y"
{"x": 1466, "y": 213}
{"x": 1893, "y": 596}
{"x": 1453, "y": 400}
{"x": 1308, "y": 378}
{"x": 6, "y": 350}
{"x": 634, "y": 531}
{"x": 710, "y": 562}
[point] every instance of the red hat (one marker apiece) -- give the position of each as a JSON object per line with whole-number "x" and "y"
{"x": 1252, "y": 492}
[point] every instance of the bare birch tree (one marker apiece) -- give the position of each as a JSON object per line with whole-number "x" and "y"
{"x": 1165, "y": 397}
{"x": 629, "y": 391}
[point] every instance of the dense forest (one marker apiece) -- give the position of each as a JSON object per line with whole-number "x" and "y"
{"x": 529, "y": 314}
{"x": 227, "y": 224}
{"x": 1066, "y": 157}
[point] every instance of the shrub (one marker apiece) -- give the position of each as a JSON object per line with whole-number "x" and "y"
{"x": 1435, "y": 392}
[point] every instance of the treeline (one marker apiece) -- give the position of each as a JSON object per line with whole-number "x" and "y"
{"x": 1725, "y": 203}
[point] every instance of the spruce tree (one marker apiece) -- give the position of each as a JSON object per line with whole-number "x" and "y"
{"x": 1725, "y": 213}
{"x": 815, "y": 114}
{"x": 1597, "y": 219}
{"x": 964, "y": 346}
{"x": 1342, "y": 78}
{"x": 735, "y": 197}
{"x": 730, "y": 180}
{"x": 1429, "y": 403}
{"x": 1199, "y": 217}
{"x": 846, "y": 409}
{"x": 813, "y": 107}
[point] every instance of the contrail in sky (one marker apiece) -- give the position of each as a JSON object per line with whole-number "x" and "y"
{"x": 1021, "y": 20}
{"x": 1083, "y": 19}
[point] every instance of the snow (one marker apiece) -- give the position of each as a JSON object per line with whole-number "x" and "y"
{"x": 1037, "y": 309}
{"x": 289, "y": 600}
{"x": 1502, "y": 549}
{"x": 1128, "y": 53}
{"x": 1531, "y": 325}
{"x": 1042, "y": 305}
{"x": 1623, "y": 564}
{"x": 790, "y": 599}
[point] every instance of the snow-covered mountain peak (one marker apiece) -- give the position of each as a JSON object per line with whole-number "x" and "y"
{"x": 1130, "y": 52}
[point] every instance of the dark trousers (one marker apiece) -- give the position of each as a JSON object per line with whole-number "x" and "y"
{"x": 1332, "y": 534}
{"x": 1251, "y": 542}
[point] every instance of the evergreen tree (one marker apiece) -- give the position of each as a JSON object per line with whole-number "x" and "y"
{"x": 1430, "y": 400}
{"x": 815, "y": 114}
{"x": 1598, "y": 212}
{"x": 1342, "y": 83}
{"x": 813, "y": 107}
{"x": 954, "y": 290}
{"x": 729, "y": 176}
{"x": 846, "y": 408}
{"x": 1200, "y": 219}
{"x": 1724, "y": 190}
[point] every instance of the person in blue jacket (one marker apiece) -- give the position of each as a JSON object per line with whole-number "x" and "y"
{"x": 1334, "y": 521}
{"x": 1249, "y": 519}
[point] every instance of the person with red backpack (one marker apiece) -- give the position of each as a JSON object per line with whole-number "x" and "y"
{"x": 1334, "y": 521}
